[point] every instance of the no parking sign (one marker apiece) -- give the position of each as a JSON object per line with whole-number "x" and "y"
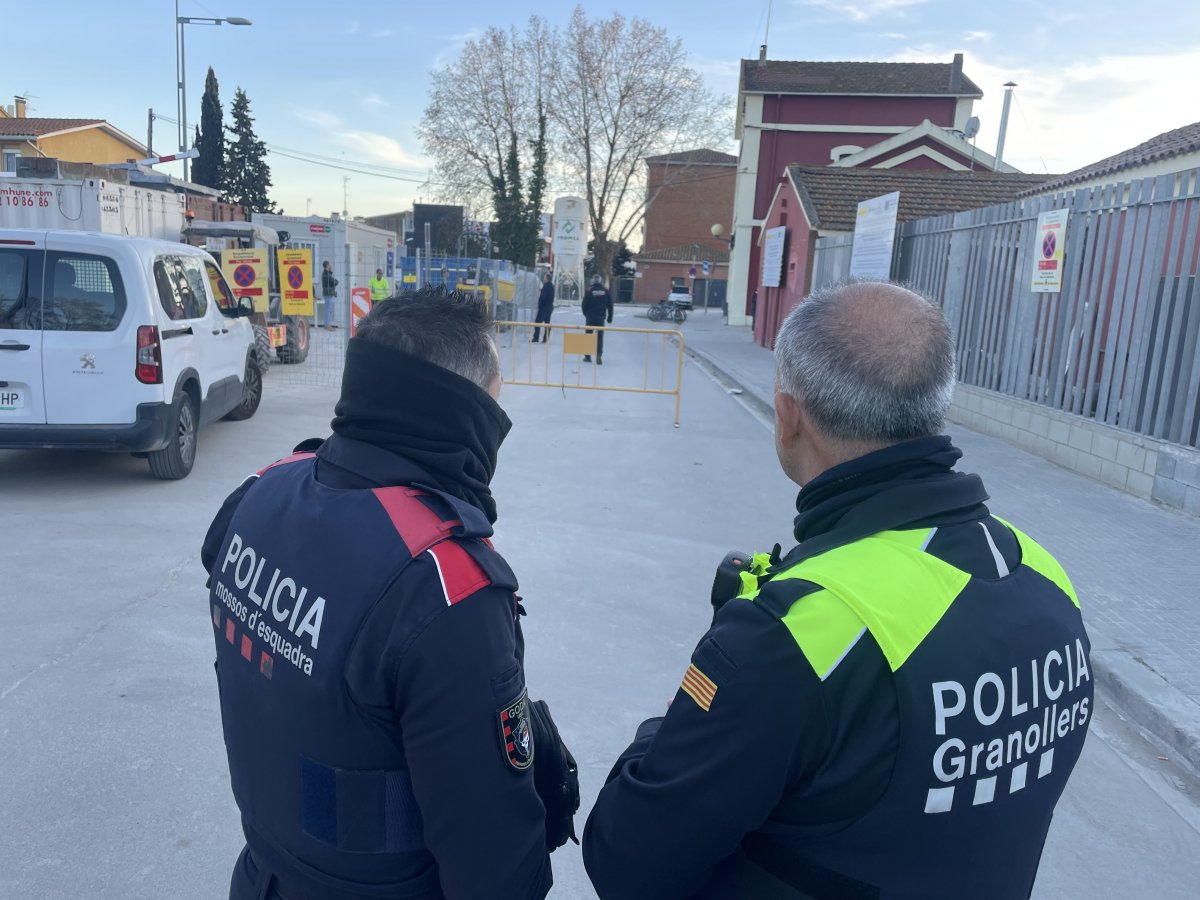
{"x": 246, "y": 271}
{"x": 295, "y": 281}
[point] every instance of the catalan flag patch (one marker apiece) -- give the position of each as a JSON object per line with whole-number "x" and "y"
{"x": 699, "y": 687}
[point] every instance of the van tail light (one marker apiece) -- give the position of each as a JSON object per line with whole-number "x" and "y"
{"x": 149, "y": 355}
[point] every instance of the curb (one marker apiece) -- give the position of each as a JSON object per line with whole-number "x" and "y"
{"x": 1168, "y": 715}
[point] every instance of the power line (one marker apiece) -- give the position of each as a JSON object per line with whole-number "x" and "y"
{"x": 348, "y": 168}
{"x": 343, "y": 160}
{"x": 1021, "y": 110}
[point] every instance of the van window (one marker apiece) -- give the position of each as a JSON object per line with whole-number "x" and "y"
{"x": 85, "y": 293}
{"x": 180, "y": 286}
{"x": 18, "y": 310}
{"x": 220, "y": 288}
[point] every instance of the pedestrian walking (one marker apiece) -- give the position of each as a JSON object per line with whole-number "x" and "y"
{"x": 892, "y": 708}
{"x": 545, "y": 306}
{"x": 342, "y": 579}
{"x": 380, "y": 289}
{"x": 597, "y": 305}
{"x": 329, "y": 286}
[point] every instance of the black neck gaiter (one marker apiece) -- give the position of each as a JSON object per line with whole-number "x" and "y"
{"x": 440, "y": 421}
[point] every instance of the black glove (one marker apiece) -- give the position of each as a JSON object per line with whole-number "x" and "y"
{"x": 555, "y": 777}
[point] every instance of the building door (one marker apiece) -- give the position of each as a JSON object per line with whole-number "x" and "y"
{"x": 709, "y": 292}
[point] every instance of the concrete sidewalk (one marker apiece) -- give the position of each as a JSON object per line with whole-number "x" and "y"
{"x": 1135, "y": 565}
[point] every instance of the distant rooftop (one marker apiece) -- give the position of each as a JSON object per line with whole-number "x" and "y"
{"x": 773, "y": 76}
{"x": 696, "y": 158}
{"x": 831, "y": 195}
{"x": 1162, "y": 146}
{"x": 23, "y": 127}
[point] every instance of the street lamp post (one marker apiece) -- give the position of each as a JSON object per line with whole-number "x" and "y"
{"x": 181, "y": 68}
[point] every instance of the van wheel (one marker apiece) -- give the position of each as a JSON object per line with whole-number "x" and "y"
{"x": 296, "y": 349}
{"x": 252, "y": 386}
{"x": 262, "y": 347}
{"x": 175, "y": 460}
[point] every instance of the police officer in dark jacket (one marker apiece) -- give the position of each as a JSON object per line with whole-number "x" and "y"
{"x": 597, "y": 304}
{"x": 545, "y": 306}
{"x": 369, "y": 655}
{"x": 891, "y": 709}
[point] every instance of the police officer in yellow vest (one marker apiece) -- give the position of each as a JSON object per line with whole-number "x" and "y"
{"x": 891, "y": 709}
{"x": 380, "y": 289}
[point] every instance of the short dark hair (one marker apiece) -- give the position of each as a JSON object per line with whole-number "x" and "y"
{"x": 869, "y": 361}
{"x": 446, "y": 328}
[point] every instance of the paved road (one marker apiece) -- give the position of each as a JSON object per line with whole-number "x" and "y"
{"x": 110, "y": 748}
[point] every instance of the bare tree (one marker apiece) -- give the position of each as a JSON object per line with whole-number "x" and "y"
{"x": 622, "y": 91}
{"x": 482, "y": 107}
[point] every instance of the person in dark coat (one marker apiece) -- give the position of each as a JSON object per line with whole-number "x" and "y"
{"x": 380, "y": 741}
{"x": 597, "y": 304}
{"x": 545, "y": 306}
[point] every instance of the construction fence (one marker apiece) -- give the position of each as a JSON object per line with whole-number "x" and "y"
{"x": 510, "y": 291}
{"x": 1118, "y": 343}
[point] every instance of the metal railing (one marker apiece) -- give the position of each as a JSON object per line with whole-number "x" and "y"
{"x": 545, "y": 364}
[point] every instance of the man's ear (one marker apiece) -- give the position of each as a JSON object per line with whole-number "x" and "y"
{"x": 789, "y": 419}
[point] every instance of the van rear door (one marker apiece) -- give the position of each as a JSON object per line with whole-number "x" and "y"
{"x": 88, "y": 347}
{"x": 22, "y": 400}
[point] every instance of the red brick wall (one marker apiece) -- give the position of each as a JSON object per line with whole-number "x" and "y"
{"x": 207, "y": 210}
{"x": 655, "y": 283}
{"x": 694, "y": 199}
{"x": 775, "y": 303}
{"x": 842, "y": 110}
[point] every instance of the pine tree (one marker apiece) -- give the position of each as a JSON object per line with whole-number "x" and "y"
{"x": 210, "y": 136}
{"x": 247, "y": 177}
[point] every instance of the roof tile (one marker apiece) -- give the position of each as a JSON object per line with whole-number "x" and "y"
{"x": 833, "y": 194}
{"x": 36, "y": 127}
{"x": 773, "y": 76}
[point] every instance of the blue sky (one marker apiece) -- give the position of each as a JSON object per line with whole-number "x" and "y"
{"x": 348, "y": 80}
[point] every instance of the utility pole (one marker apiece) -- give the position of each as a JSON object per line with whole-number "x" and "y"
{"x": 150, "y": 131}
{"x": 1008, "y": 90}
{"x": 346, "y": 197}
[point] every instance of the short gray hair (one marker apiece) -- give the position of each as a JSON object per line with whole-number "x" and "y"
{"x": 870, "y": 362}
{"x": 446, "y": 328}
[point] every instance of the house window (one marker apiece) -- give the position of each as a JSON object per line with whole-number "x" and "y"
{"x": 10, "y": 160}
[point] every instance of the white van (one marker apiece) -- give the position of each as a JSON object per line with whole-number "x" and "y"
{"x": 118, "y": 343}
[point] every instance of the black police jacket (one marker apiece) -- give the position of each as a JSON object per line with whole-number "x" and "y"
{"x": 597, "y": 304}
{"x": 781, "y": 773}
{"x": 370, "y": 665}
{"x": 546, "y": 299}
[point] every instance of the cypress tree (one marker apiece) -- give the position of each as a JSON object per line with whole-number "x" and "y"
{"x": 247, "y": 177}
{"x": 208, "y": 167}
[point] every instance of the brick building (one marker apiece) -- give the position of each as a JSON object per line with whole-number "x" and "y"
{"x": 887, "y": 116}
{"x": 688, "y": 193}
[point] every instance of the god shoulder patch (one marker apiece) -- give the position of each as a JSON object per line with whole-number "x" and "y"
{"x": 516, "y": 735}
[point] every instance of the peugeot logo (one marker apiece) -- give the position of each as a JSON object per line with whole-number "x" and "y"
{"x": 87, "y": 361}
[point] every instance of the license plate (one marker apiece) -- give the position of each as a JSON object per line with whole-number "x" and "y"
{"x": 11, "y": 399}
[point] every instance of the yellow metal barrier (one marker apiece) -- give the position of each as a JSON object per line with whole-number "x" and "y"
{"x": 526, "y": 363}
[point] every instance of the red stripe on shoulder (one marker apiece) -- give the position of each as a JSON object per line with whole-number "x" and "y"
{"x": 295, "y": 457}
{"x": 418, "y": 525}
{"x": 461, "y": 574}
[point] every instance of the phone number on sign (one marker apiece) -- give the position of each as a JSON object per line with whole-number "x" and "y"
{"x": 24, "y": 198}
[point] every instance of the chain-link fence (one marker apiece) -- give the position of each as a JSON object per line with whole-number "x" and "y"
{"x": 317, "y": 351}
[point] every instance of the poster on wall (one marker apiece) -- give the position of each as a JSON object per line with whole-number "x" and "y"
{"x": 874, "y": 238}
{"x": 1048, "y": 259}
{"x": 772, "y": 256}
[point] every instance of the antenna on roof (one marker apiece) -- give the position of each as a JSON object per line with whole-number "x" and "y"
{"x": 762, "y": 51}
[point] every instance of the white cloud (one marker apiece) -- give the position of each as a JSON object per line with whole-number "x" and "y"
{"x": 1070, "y": 114}
{"x": 352, "y": 28}
{"x": 972, "y": 36}
{"x": 383, "y": 33}
{"x": 318, "y": 117}
{"x": 455, "y": 43}
{"x": 864, "y": 10}
{"x": 373, "y": 101}
{"x": 384, "y": 149}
